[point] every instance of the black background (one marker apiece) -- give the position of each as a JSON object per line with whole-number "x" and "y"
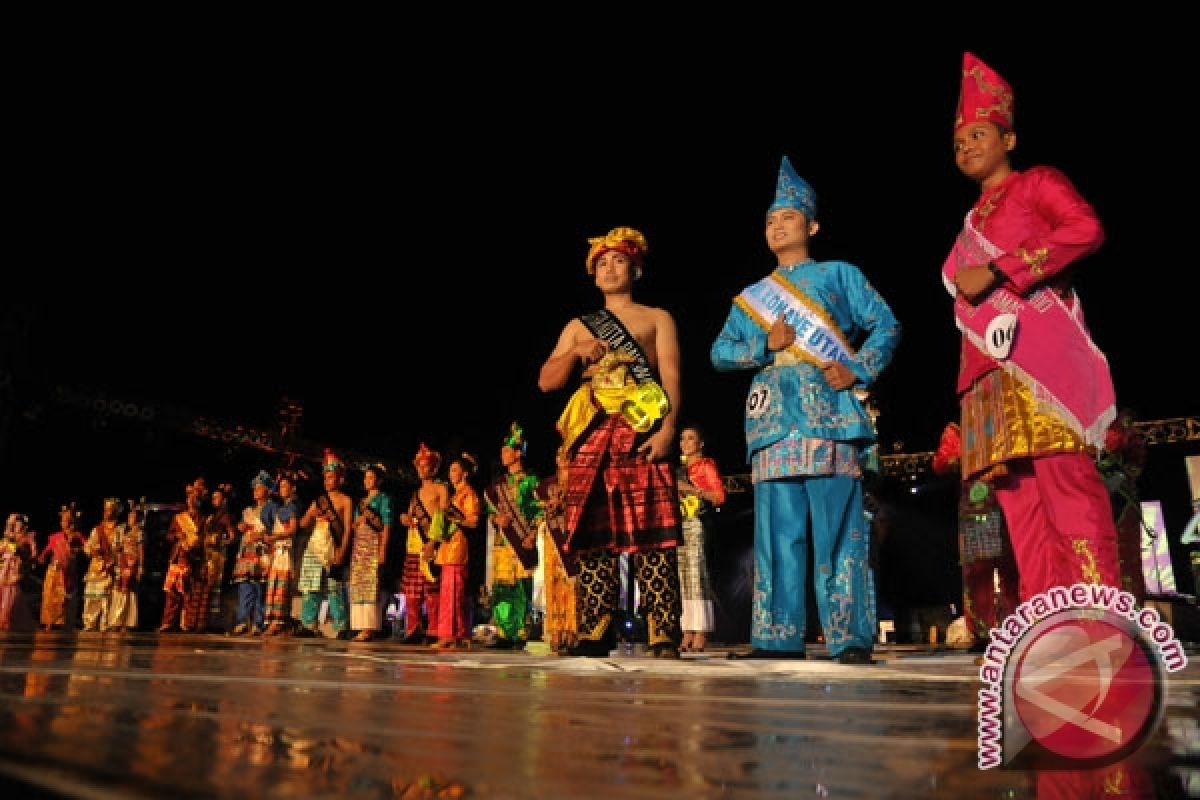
{"x": 395, "y": 236}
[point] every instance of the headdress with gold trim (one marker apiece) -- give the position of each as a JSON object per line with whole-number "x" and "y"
{"x": 983, "y": 96}
{"x": 625, "y": 240}
{"x": 792, "y": 191}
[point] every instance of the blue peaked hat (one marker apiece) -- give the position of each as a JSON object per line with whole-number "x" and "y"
{"x": 792, "y": 191}
{"x": 263, "y": 478}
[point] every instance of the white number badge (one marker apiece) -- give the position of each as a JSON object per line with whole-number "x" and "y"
{"x": 1001, "y": 332}
{"x": 759, "y": 400}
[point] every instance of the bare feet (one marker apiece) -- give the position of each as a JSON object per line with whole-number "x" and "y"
{"x": 363, "y": 636}
{"x": 698, "y": 641}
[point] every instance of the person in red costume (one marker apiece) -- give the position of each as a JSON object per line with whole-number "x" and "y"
{"x": 1035, "y": 392}
{"x": 983, "y": 549}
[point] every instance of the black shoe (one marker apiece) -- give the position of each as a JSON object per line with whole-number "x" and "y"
{"x": 755, "y": 654}
{"x": 500, "y": 644}
{"x": 305, "y": 633}
{"x": 978, "y": 646}
{"x": 855, "y": 655}
{"x": 589, "y": 648}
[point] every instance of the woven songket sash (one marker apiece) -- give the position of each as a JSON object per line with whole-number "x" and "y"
{"x": 519, "y": 530}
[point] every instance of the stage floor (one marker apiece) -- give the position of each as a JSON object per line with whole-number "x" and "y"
{"x": 142, "y": 715}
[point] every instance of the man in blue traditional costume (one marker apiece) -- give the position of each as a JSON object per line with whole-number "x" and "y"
{"x": 813, "y": 331}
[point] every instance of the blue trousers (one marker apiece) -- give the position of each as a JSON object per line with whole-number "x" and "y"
{"x": 250, "y": 604}
{"x": 786, "y": 513}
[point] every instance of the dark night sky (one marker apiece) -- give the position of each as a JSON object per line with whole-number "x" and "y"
{"x": 198, "y": 196}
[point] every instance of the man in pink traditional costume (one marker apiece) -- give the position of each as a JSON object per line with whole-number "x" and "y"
{"x": 1036, "y": 394}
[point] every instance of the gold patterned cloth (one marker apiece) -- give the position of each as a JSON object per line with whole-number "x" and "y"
{"x": 1001, "y": 420}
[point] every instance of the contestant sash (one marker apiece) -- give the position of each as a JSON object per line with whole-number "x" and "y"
{"x": 818, "y": 339}
{"x": 605, "y": 326}
{"x": 418, "y": 536}
{"x": 517, "y": 530}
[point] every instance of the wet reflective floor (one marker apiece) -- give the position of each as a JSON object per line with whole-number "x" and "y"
{"x": 139, "y": 715}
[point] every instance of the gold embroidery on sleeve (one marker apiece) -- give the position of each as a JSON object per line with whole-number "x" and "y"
{"x": 1034, "y": 259}
{"x": 1087, "y": 561}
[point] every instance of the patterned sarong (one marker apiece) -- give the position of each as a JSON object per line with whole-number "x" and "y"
{"x": 615, "y": 498}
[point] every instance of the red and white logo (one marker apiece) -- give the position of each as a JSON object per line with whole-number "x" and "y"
{"x": 1075, "y": 677}
{"x": 1085, "y": 689}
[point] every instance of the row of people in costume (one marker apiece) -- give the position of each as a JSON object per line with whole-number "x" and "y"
{"x": 1036, "y": 397}
{"x": 332, "y": 556}
{"x": 89, "y": 583}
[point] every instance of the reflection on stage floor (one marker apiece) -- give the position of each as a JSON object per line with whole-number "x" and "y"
{"x": 139, "y": 715}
